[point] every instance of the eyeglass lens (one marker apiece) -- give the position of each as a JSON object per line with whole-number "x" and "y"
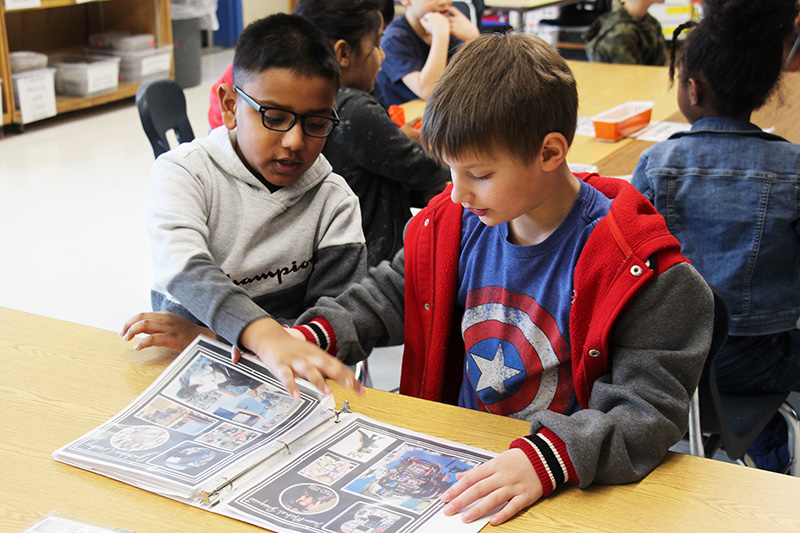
{"x": 314, "y": 126}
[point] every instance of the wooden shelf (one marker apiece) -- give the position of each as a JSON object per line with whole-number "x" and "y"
{"x": 65, "y": 25}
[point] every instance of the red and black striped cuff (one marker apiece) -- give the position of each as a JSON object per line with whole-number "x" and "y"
{"x": 548, "y": 455}
{"x": 320, "y": 332}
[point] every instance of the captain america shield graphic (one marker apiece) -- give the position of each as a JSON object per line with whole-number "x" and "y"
{"x": 517, "y": 360}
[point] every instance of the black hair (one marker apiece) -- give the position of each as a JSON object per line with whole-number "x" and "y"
{"x": 348, "y": 20}
{"x": 737, "y": 50}
{"x": 387, "y": 10}
{"x": 284, "y": 41}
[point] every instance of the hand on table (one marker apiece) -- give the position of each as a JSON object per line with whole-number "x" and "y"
{"x": 508, "y": 478}
{"x": 411, "y": 130}
{"x": 163, "y": 329}
{"x": 287, "y": 355}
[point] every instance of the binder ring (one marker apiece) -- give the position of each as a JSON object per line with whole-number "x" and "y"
{"x": 286, "y": 446}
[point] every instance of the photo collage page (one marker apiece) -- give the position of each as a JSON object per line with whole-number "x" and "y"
{"x": 207, "y": 414}
{"x": 367, "y": 478}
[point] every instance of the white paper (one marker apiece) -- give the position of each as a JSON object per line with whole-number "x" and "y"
{"x": 21, "y": 4}
{"x": 658, "y": 131}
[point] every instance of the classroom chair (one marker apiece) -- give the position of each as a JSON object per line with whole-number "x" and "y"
{"x": 732, "y": 421}
{"x": 162, "y": 108}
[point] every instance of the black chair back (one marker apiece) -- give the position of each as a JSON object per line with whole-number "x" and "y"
{"x": 732, "y": 420}
{"x": 162, "y": 107}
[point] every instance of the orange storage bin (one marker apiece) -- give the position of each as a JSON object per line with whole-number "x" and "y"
{"x": 622, "y": 120}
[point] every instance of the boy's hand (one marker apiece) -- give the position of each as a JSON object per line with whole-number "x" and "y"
{"x": 460, "y": 25}
{"x": 435, "y": 23}
{"x": 410, "y": 129}
{"x": 163, "y": 329}
{"x": 509, "y": 477}
{"x": 288, "y": 357}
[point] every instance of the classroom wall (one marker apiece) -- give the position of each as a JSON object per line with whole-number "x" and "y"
{"x": 256, "y": 9}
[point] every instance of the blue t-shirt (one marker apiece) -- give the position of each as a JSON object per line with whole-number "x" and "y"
{"x": 405, "y": 53}
{"x": 517, "y": 302}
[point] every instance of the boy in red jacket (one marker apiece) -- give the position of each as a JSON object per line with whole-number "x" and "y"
{"x": 527, "y": 291}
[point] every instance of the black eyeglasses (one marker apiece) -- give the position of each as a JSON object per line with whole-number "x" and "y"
{"x": 277, "y": 119}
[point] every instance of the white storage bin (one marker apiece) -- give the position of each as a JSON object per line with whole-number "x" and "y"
{"x": 106, "y": 40}
{"x": 85, "y": 75}
{"x": 24, "y": 60}
{"x": 118, "y": 40}
{"x": 138, "y": 66}
{"x": 34, "y": 92}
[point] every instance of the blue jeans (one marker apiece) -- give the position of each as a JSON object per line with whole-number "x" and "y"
{"x": 765, "y": 363}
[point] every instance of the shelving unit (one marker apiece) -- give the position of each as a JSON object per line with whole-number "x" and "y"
{"x": 59, "y": 26}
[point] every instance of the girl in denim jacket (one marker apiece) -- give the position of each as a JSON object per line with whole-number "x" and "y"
{"x": 731, "y": 194}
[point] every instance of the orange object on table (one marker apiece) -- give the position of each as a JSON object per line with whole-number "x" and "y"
{"x": 622, "y": 120}
{"x": 398, "y": 115}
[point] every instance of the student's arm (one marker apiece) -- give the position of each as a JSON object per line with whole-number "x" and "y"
{"x": 375, "y": 143}
{"x": 635, "y": 413}
{"x": 162, "y": 328}
{"x": 460, "y": 26}
{"x": 178, "y": 207}
{"x": 423, "y": 81}
{"x": 340, "y": 258}
{"x": 368, "y": 314}
{"x": 183, "y": 264}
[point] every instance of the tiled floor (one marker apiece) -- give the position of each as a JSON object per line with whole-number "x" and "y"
{"x": 72, "y": 198}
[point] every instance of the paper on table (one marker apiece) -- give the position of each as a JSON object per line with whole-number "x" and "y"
{"x": 659, "y": 131}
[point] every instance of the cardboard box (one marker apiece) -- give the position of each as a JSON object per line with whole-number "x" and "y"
{"x": 622, "y": 120}
{"x": 35, "y": 94}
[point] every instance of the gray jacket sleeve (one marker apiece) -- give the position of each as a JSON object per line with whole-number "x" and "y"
{"x": 640, "y": 408}
{"x": 368, "y": 314}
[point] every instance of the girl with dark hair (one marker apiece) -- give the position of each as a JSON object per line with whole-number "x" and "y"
{"x": 730, "y": 192}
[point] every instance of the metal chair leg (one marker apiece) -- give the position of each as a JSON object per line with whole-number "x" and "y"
{"x": 789, "y": 413}
{"x": 695, "y": 433}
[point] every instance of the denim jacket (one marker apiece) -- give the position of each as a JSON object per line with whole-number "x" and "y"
{"x": 731, "y": 194}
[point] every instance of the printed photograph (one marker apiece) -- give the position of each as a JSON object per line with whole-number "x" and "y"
{"x": 189, "y": 458}
{"x": 409, "y": 477}
{"x": 362, "y": 445}
{"x": 138, "y": 438}
{"x": 168, "y": 414}
{"x": 227, "y": 437}
{"x": 364, "y": 518}
{"x": 222, "y": 391}
{"x": 327, "y": 469}
{"x": 308, "y": 498}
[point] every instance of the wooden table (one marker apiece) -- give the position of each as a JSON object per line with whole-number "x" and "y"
{"x": 604, "y": 85}
{"x": 59, "y": 380}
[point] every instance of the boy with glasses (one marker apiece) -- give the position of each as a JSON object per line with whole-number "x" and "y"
{"x": 250, "y": 226}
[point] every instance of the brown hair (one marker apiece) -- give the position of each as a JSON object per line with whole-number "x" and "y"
{"x": 501, "y": 91}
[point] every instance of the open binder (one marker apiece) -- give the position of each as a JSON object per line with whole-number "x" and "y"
{"x": 228, "y": 438}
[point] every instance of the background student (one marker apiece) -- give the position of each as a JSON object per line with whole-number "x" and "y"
{"x": 527, "y": 291}
{"x": 418, "y": 46}
{"x": 627, "y": 34}
{"x": 249, "y": 226}
{"x": 381, "y": 164}
{"x": 730, "y": 192}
